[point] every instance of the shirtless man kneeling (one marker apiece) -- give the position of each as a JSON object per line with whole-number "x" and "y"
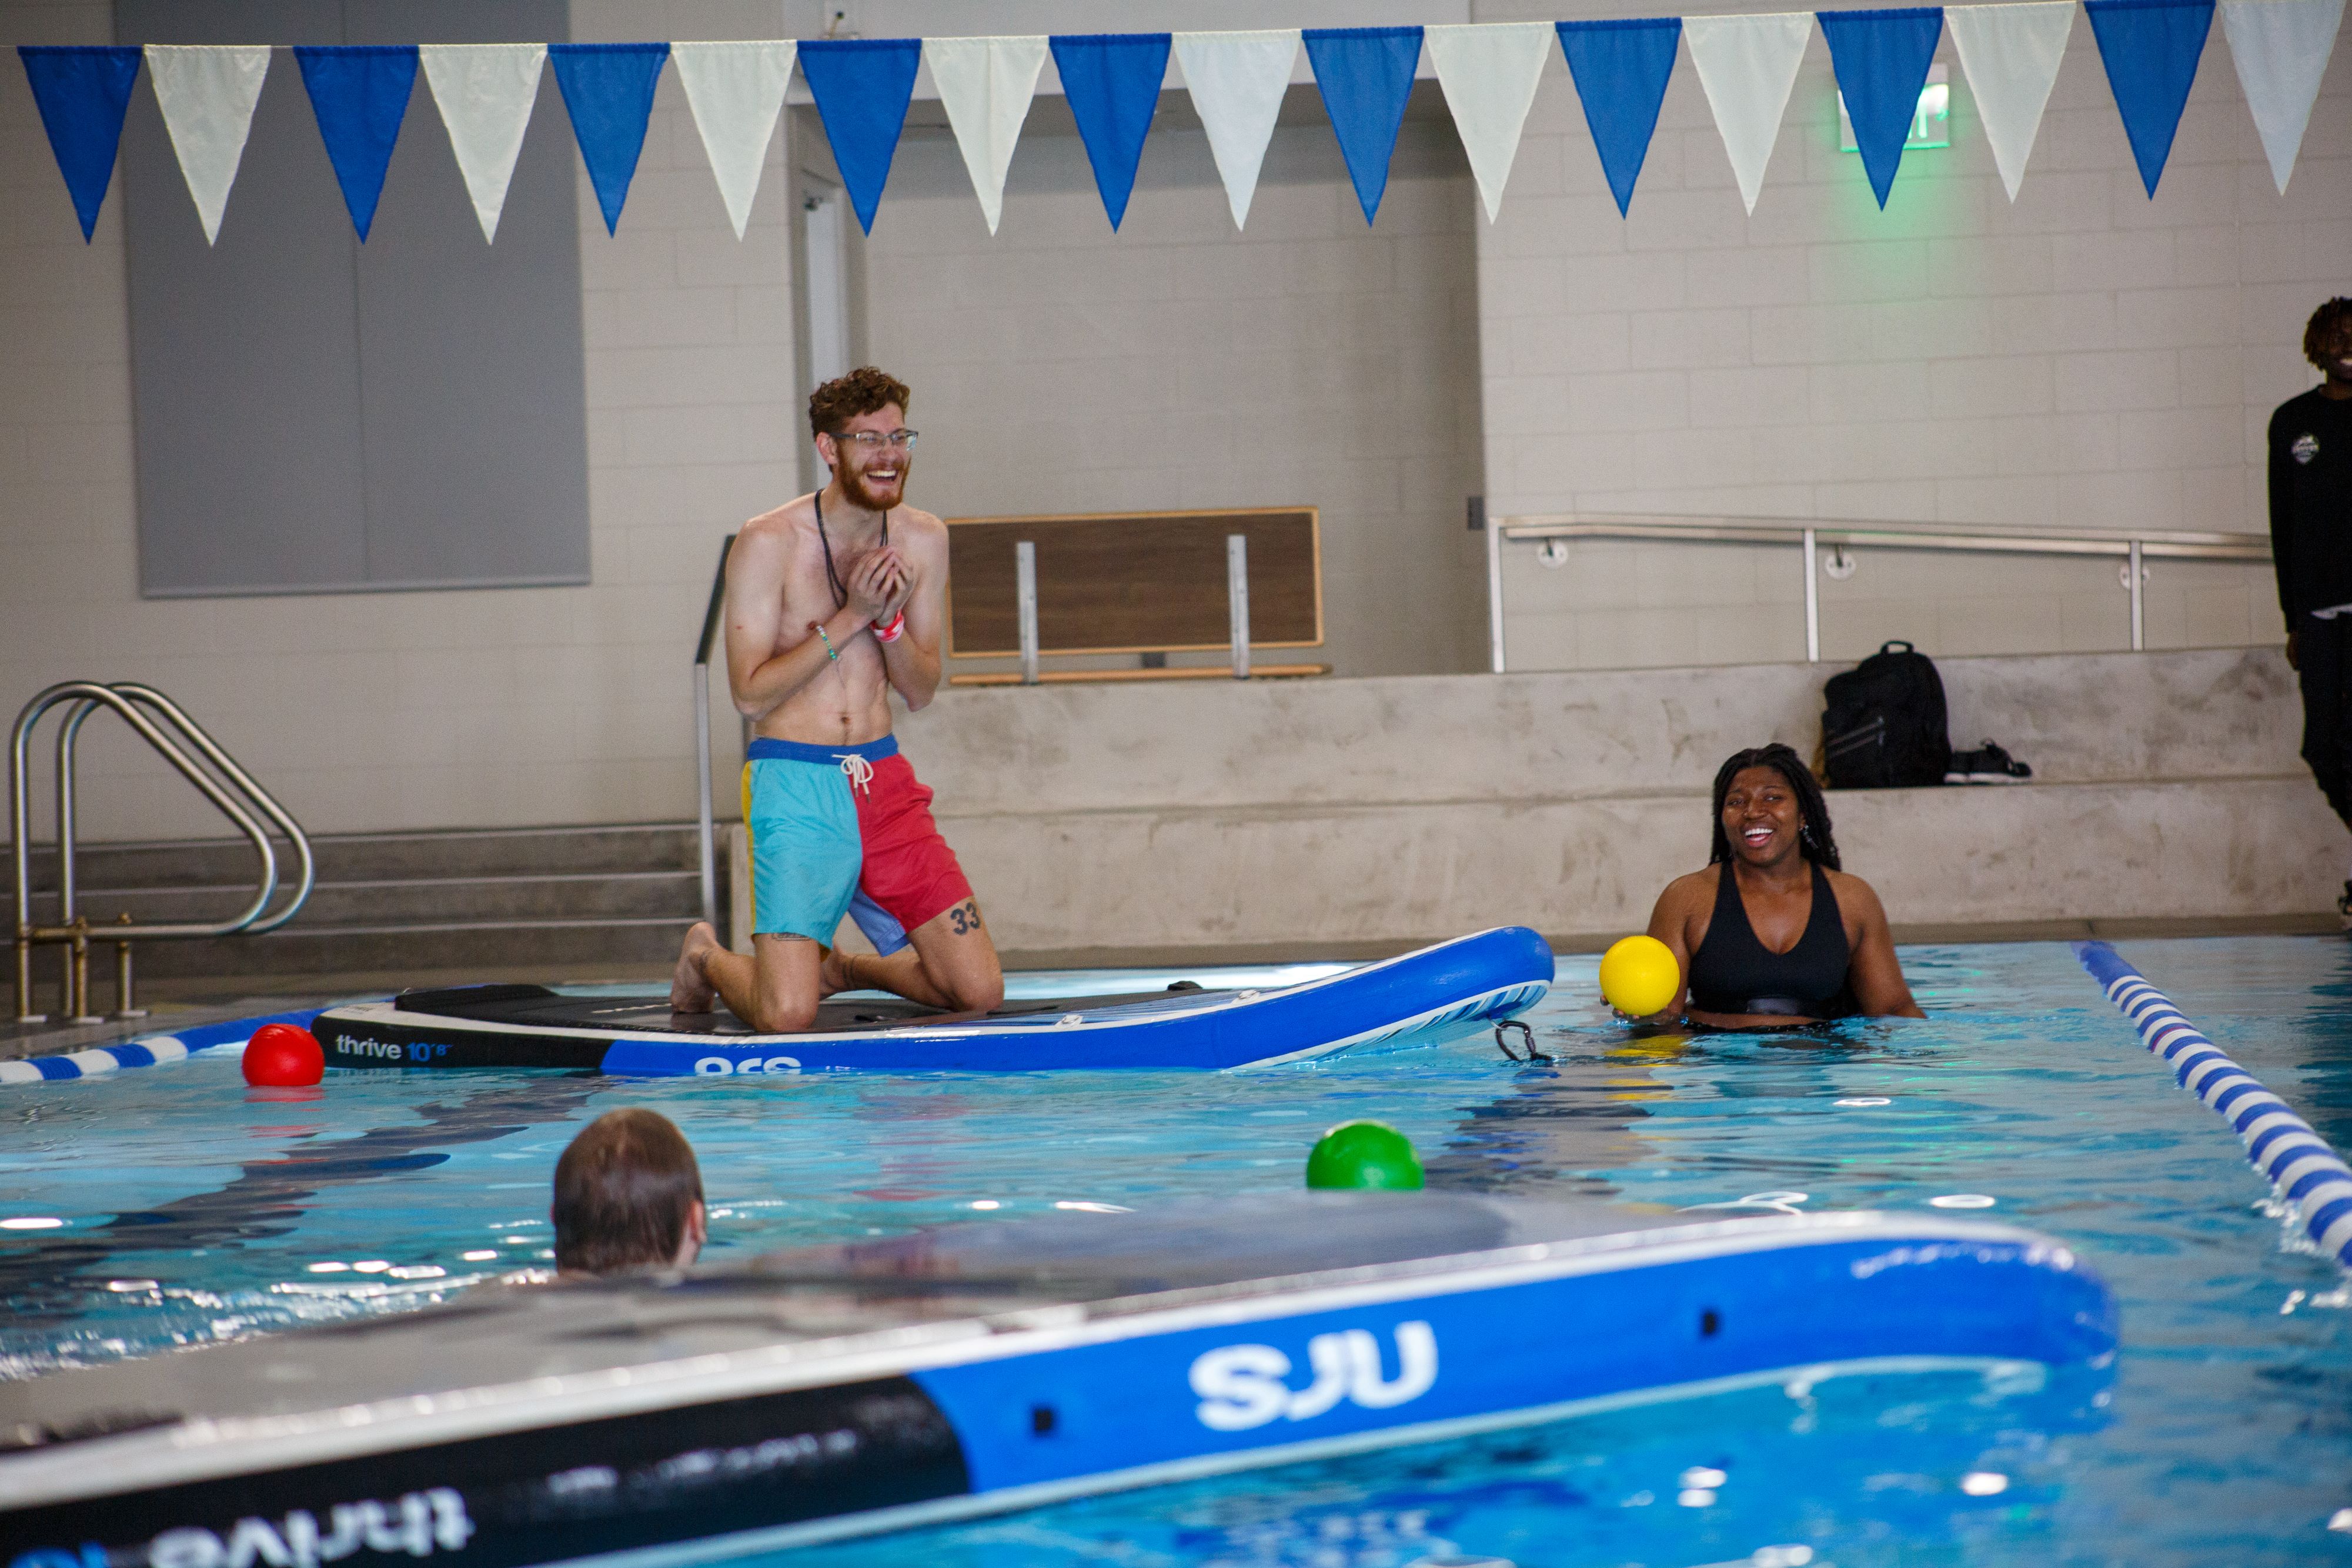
{"x": 834, "y": 600}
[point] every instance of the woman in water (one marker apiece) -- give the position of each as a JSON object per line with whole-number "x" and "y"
{"x": 1772, "y": 933}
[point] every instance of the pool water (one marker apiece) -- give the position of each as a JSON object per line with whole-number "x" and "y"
{"x": 172, "y": 1206}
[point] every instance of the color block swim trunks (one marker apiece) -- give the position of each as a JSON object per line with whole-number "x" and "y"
{"x": 844, "y": 830}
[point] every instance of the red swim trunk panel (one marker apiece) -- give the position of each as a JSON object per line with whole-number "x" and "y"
{"x": 910, "y": 871}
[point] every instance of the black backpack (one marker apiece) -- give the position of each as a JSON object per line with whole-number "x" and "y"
{"x": 1884, "y": 726}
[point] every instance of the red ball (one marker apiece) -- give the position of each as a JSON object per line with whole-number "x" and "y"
{"x": 283, "y": 1056}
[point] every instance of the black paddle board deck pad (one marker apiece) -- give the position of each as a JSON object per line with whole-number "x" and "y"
{"x": 879, "y": 1385}
{"x": 1493, "y": 975}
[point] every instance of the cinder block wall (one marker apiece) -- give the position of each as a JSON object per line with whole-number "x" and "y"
{"x": 1179, "y": 365}
{"x": 2085, "y": 357}
{"x": 383, "y": 711}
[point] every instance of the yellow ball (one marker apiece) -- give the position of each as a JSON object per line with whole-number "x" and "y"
{"x": 1639, "y": 976}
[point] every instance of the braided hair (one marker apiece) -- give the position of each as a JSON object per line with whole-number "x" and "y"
{"x": 2325, "y": 322}
{"x": 1814, "y": 841}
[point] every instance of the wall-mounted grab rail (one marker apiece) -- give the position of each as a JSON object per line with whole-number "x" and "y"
{"x": 140, "y": 706}
{"x": 2133, "y": 546}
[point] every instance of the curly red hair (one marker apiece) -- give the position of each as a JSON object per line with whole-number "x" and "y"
{"x": 843, "y": 398}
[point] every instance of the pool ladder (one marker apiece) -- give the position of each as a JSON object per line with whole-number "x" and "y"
{"x": 228, "y": 786}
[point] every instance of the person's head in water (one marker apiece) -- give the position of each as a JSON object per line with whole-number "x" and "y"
{"x": 859, "y": 422}
{"x": 2327, "y": 341}
{"x": 1764, "y": 799}
{"x": 629, "y": 1196}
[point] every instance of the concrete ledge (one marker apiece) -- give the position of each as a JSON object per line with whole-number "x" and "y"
{"x": 1306, "y": 879}
{"x": 1440, "y": 740}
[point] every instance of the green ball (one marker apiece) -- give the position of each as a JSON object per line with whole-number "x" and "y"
{"x": 1364, "y": 1155}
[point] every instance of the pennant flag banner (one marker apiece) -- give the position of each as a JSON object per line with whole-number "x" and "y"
{"x": 82, "y": 94}
{"x": 485, "y": 93}
{"x": 1365, "y": 75}
{"x": 1489, "y": 75}
{"x": 1112, "y": 80}
{"x": 2010, "y": 55}
{"x": 2150, "y": 48}
{"x": 735, "y": 91}
{"x": 862, "y": 88}
{"x": 986, "y": 86}
{"x": 609, "y": 90}
{"x": 2282, "y": 48}
{"x": 1236, "y": 81}
{"x": 1620, "y": 69}
{"x": 360, "y": 94}
{"x": 1748, "y": 65}
{"x": 206, "y": 92}
{"x": 1882, "y": 59}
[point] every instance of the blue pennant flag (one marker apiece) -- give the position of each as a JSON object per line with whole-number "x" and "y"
{"x": 82, "y": 93}
{"x": 2151, "y": 49}
{"x": 1882, "y": 59}
{"x": 360, "y": 94}
{"x": 861, "y": 86}
{"x": 608, "y": 90}
{"x": 1365, "y": 74}
{"x": 1112, "y": 80}
{"x": 1620, "y": 69}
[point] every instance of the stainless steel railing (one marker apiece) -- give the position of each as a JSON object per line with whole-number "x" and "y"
{"x": 2133, "y": 549}
{"x": 226, "y": 785}
{"x": 713, "y": 613}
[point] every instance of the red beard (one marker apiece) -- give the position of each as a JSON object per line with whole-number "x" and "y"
{"x": 853, "y": 485}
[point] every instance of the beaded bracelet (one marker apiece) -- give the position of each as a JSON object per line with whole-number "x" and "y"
{"x": 829, "y": 651}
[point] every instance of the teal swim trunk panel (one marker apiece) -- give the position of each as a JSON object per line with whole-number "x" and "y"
{"x": 806, "y": 849}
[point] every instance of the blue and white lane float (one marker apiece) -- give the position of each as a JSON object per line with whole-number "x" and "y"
{"x": 147, "y": 1050}
{"x": 2281, "y": 1145}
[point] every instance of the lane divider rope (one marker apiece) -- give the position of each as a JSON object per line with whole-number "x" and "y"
{"x": 147, "y": 1050}
{"x": 2297, "y": 1161}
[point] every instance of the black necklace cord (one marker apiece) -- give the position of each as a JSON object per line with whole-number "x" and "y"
{"x": 833, "y": 578}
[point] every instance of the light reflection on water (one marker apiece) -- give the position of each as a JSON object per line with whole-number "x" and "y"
{"x": 194, "y": 1209}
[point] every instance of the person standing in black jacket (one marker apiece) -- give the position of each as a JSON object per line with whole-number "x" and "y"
{"x": 2311, "y": 545}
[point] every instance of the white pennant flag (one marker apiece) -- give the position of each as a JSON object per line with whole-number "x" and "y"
{"x": 2282, "y": 48}
{"x": 206, "y": 92}
{"x": 1237, "y": 80}
{"x": 485, "y": 92}
{"x": 1748, "y": 64}
{"x": 735, "y": 91}
{"x": 2010, "y": 54}
{"x": 985, "y": 85}
{"x": 1490, "y": 74}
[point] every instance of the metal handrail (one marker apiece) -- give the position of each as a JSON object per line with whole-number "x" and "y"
{"x": 127, "y": 699}
{"x": 712, "y": 613}
{"x": 2134, "y": 545}
{"x": 196, "y": 736}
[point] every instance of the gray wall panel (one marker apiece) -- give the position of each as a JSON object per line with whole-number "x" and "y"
{"x": 317, "y": 416}
{"x": 495, "y": 393}
{"x": 244, "y": 355}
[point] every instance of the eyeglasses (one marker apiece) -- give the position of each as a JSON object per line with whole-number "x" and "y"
{"x": 874, "y": 439}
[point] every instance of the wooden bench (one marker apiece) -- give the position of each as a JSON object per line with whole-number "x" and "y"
{"x": 1147, "y": 583}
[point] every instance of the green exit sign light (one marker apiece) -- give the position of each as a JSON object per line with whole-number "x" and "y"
{"x": 1931, "y": 124}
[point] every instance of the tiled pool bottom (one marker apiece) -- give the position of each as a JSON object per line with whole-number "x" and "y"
{"x": 192, "y": 1208}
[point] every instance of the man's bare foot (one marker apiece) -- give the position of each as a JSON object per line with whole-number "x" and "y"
{"x": 832, "y": 973}
{"x": 689, "y": 990}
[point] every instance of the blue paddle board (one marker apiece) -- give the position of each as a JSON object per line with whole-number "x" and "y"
{"x": 1491, "y": 976}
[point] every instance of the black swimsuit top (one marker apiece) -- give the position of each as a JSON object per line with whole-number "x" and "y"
{"x": 1732, "y": 972}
